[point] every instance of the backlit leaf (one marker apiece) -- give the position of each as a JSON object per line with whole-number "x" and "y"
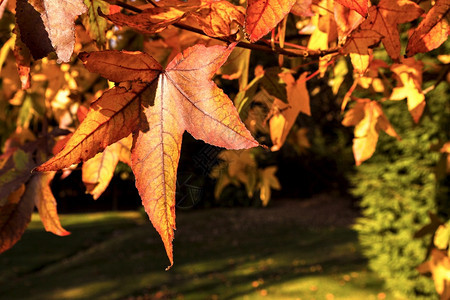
{"x": 220, "y": 18}
{"x": 263, "y": 15}
{"x": 59, "y": 20}
{"x": 98, "y": 171}
{"x": 432, "y": 31}
{"x": 38, "y": 189}
{"x": 111, "y": 118}
{"x": 368, "y": 119}
{"x": 360, "y": 6}
{"x": 157, "y": 109}
{"x": 384, "y": 18}
{"x": 409, "y": 85}
{"x": 268, "y": 181}
{"x": 284, "y": 115}
{"x": 93, "y": 22}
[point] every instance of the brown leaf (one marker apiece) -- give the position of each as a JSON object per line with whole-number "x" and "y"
{"x": 157, "y": 111}
{"x": 432, "y": 31}
{"x": 149, "y": 21}
{"x": 38, "y": 189}
{"x": 16, "y": 166}
{"x": 284, "y": 115}
{"x": 263, "y": 15}
{"x": 23, "y": 61}
{"x": 384, "y": 18}
{"x": 32, "y": 30}
{"x": 14, "y": 217}
{"x": 98, "y": 171}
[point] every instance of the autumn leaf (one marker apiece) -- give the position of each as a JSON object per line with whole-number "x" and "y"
{"x": 347, "y": 20}
{"x": 16, "y": 166}
{"x": 32, "y": 30}
{"x": 157, "y": 109}
{"x": 93, "y": 22}
{"x": 432, "y": 31}
{"x": 439, "y": 267}
{"x": 59, "y": 20}
{"x": 219, "y": 18}
{"x": 384, "y": 19}
{"x": 302, "y": 8}
{"x": 284, "y": 115}
{"x": 38, "y": 189}
{"x": 268, "y": 181}
{"x": 409, "y": 86}
{"x": 368, "y": 119}
{"x": 23, "y": 61}
{"x": 14, "y": 217}
{"x": 98, "y": 171}
{"x": 360, "y": 6}
{"x": 149, "y": 21}
{"x": 238, "y": 167}
{"x": 263, "y": 15}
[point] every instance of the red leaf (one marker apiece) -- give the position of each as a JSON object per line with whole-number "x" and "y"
{"x": 264, "y": 15}
{"x": 432, "y": 31}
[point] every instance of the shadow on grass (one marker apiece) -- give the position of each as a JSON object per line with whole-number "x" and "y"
{"x": 219, "y": 254}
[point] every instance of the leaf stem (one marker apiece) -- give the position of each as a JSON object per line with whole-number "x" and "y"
{"x": 259, "y": 46}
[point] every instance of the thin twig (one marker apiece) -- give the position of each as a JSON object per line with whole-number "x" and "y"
{"x": 442, "y": 76}
{"x": 259, "y": 46}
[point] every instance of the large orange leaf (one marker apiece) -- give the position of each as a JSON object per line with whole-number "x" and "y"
{"x": 38, "y": 189}
{"x": 263, "y": 15}
{"x": 368, "y": 119}
{"x": 384, "y": 18}
{"x": 432, "y": 31}
{"x": 157, "y": 109}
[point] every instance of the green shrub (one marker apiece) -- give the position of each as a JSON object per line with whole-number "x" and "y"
{"x": 398, "y": 187}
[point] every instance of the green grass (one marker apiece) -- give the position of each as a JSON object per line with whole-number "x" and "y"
{"x": 219, "y": 254}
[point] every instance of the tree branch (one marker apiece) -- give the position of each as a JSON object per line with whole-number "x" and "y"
{"x": 259, "y": 46}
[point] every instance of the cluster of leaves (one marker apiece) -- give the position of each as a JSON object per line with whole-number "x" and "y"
{"x": 142, "y": 111}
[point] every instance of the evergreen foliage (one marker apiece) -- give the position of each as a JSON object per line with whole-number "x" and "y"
{"x": 398, "y": 186}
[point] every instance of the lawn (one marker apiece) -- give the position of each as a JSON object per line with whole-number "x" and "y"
{"x": 236, "y": 253}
